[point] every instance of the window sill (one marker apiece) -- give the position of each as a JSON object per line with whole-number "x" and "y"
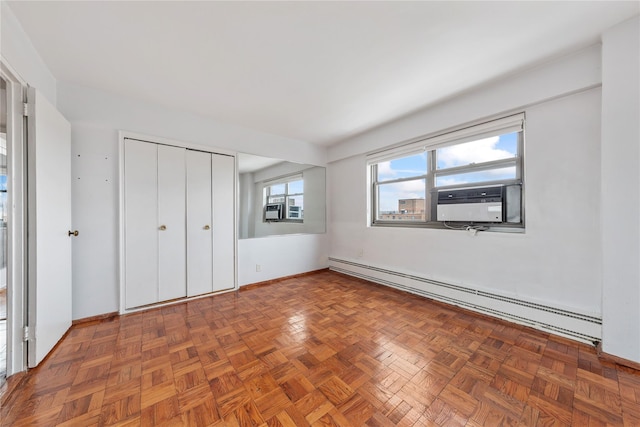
{"x": 438, "y": 225}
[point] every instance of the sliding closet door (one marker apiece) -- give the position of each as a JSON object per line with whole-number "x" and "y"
{"x": 178, "y": 223}
{"x": 223, "y": 222}
{"x": 199, "y": 224}
{"x": 141, "y": 231}
{"x": 172, "y": 268}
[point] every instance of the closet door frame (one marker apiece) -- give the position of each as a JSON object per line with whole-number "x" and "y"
{"x": 122, "y": 135}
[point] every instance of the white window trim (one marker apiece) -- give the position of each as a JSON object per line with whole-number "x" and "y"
{"x": 285, "y": 179}
{"x": 467, "y": 133}
{"x": 509, "y": 124}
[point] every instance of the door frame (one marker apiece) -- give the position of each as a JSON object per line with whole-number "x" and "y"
{"x": 122, "y": 135}
{"x": 17, "y": 220}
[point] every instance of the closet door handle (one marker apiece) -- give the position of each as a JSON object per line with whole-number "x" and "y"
{"x": 207, "y": 227}
{"x": 73, "y": 233}
{"x": 163, "y": 227}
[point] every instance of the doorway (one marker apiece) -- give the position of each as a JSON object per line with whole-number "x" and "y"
{"x": 12, "y": 223}
{"x": 3, "y": 230}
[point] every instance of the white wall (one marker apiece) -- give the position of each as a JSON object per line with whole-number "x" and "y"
{"x": 566, "y": 265}
{"x": 18, "y": 52}
{"x": 94, "y": 189}
{"x": 621, "y": 189}
{"x": 581, "y": 249}
{"x": 557, "y": 261}
{"x": 84, "y": 105}
{"x": 96, "y": 118}
{"x": 280, "y": 256}
{"x": 564, "y": 75}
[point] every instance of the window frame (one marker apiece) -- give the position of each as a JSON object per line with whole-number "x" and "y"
{"x": 430, "y": 145}
{"x": 375, "y": 195}
{"x": 285, "y": 180}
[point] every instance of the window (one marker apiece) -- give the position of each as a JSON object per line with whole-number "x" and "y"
{"x": 401, "y": 189}
{"x": 286, "y": 195}
{"x": 406, "y": 180}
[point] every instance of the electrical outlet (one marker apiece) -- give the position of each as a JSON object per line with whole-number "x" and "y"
{"x": 258, "y": 268}
{"x": 361, "y": 253}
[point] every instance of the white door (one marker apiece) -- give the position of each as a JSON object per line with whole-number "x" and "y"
{"x": 141, "y": 219}
{"x": 172, "y": 274}
{"x": 199, "y": 224}
{"x": 223, "y": 222}
{"x": 49, "y": 192}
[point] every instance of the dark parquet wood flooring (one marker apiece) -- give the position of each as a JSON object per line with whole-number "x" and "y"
{"x": 320, "y": 350}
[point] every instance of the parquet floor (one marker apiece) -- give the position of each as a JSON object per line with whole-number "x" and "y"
{"x": 320, "y": 350}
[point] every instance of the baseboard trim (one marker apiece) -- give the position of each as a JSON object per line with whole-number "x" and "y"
{"x": 280, "y": 279}
{"x": 582, "y": 327}
{"x": 477, "y": 314}
{"x": 86, "y": 321}
{"x": 606, "y": 357}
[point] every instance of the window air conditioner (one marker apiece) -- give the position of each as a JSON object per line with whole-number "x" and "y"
{"x": 273, "y": 212}
{"x": 481, "y": 204}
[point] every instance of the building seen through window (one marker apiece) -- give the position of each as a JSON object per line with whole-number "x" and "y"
{"x": 408, "y": 210}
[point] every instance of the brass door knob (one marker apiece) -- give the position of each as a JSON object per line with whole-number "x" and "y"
{"x": 73, "y": 233}
{"x": 207, "y": 227}
{"x": 163, "y": 227}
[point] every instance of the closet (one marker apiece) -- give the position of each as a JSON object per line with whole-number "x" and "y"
{"x": 178, "y": 222}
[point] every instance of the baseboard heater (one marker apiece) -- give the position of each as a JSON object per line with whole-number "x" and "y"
{"x": 578, "y": 326}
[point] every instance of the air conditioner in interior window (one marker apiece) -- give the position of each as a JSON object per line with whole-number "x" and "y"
{"x": 494, "y": 204}
{"x": 273, "y": 212}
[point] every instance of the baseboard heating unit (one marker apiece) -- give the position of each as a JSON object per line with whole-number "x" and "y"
{"x": 582, "y": 327}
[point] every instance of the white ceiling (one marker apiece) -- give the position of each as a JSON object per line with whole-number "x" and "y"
{"x": 314, "y": 71}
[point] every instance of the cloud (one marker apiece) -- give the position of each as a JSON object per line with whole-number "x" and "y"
{"x": 477, "y": 177}
{"x": 482, "y": 150}
{"x": 416, "y": 186}
{"x": 385, "y": 171}
{"x": 391, "y": 193}
{"x": 404, "y": 167}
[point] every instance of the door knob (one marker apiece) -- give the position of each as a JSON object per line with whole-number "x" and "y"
{"x": 73, "y": 233}
{"x": 163, "y": 227}
{"x": 206, "y": 227}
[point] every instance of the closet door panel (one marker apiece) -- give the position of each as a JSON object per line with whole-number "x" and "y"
{"x": 172, "y": 267}
{"x": 199, "y": 224}
{"x": 141, "y": 235}
{"x": 223, "y": 171}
